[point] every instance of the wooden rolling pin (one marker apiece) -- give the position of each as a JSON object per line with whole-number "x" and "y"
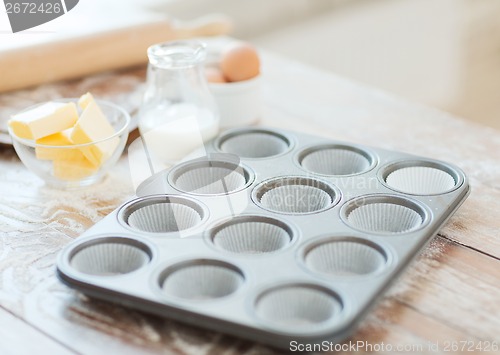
{"x": 113, "y": 49}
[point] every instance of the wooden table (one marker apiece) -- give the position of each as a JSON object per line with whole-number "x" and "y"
{"x": 450, "y": 294}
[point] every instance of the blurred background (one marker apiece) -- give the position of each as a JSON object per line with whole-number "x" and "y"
{"x": 442, "y": 53}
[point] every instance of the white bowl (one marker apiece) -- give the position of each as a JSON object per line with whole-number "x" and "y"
{"x": 239, "y": 103}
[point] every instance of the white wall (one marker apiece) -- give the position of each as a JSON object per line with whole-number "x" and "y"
{"x": 408, "y": 47}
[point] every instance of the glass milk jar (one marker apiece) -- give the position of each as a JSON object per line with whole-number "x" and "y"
{"x": 178, "y": 113}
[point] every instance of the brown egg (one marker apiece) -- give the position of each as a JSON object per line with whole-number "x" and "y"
{"x": 214, "y": 75}
{"x": 240, "y": 61}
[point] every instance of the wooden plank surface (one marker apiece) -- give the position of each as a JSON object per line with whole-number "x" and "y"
{"x": 14, "y": 333}
{"x": 451, "y": 292}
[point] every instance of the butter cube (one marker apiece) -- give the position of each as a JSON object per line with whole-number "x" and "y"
{"x": 74, "y": 169}
{"x": 93, "y": 126}
{"x": 85, "y": 100}
{"x": 62, "y": 139}
{"x": 44, "y": 120}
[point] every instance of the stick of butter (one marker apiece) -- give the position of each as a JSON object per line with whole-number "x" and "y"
{"x": 74, "y": 169}
{"x": 44, "y": 120}
{"x": 60, "y": 139}
{"x": 85, "y": 100}
{"x": 93, "y": 126}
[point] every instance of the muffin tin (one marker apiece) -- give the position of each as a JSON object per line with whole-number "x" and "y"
{"x": 273, "y": 236}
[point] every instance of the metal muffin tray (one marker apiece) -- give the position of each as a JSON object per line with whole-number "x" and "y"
{"x": 273, "y": 236}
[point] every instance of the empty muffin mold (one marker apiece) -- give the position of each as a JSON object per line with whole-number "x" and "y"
{"x": 272, "y": 236}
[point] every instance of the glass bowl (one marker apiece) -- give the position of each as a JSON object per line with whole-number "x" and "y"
{"x": 70, "y": 169}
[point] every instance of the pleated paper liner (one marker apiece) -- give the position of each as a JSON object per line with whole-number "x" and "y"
{"x": 295, "y": 195}
{"x": 345, "y": 256}
{"x": 210, "y": 177}
{"x": 163, "y": 214}
{"x": 110, "y": 256}
{"x": 384, "y": 214}
{"x": 254, "y": 143}
{"x": 335, "y": 160}
{"x": 298, "y": 307}
{"x": 421, "y": 177}
{"x": 201, "y": 279}
{"x": 252, "y": 235}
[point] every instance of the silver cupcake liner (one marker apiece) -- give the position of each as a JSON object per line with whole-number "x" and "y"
{"x": 254, "y": 144}
{"x": 297, "y": 306}
{"x": 345, "y": 257}
{"x": 201, "y": 280}
{"x": 110, "y": 257}
{"x": 335, "y": 160}
{"x": 252, "y": 235}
